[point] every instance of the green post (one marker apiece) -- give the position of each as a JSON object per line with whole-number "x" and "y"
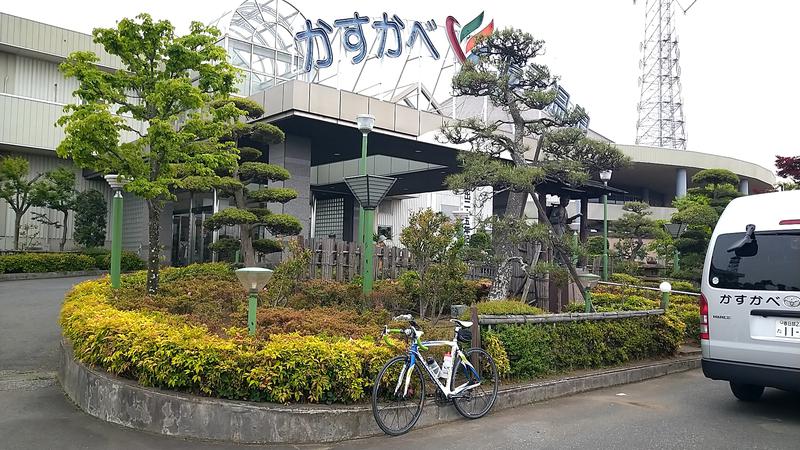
{"x": 676, "y": 261}
{"x": 362, "y": 169}
{"x": 664, "y": 300}
{"x": 587, "y": 300}
{"x": 237, "y": 257}
{"x": 368, "y": 252}
{"x": 116, "y": 239}
{"x": 605, "y": 237}
{"x": 252, "y": 303}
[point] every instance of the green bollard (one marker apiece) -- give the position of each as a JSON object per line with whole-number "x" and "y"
{"x": 664, "y": 300}
{"x": 587, "y": 300}
{"x": 252, "y": 303}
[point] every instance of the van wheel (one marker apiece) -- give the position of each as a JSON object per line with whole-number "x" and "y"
{"x": 747, "y": 392}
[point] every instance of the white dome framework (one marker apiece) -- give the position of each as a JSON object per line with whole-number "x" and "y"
{"x": 260, "y": 39}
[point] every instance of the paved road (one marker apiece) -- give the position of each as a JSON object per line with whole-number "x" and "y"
{"x": 679, "y": 411}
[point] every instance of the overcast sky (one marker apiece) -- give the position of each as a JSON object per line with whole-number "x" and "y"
{"x": 738, "y": 57}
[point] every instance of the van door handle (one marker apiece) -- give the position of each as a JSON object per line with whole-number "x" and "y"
{"x": 774, "y": 313}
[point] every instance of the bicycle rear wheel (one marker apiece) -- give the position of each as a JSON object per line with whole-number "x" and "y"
{"x": 395, "y": 409}
{"x": 476, "y": 401}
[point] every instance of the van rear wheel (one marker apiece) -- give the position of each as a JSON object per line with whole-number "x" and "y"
{"x": 747, "y": 392}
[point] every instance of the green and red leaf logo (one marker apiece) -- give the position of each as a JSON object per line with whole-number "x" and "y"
{"x": 466, "y": 33}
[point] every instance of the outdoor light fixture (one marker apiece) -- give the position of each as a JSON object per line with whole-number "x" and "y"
{"x": 369, "y": 191}
{"x": 365, "y": 122}
{"x": 605, "y": 176}
{"x": 253, "y": 279}
{"x": 675, "y": 230}
{"x": 117, "y": 182}
{"x": 589, "y": 281}
{"x": 665, "y": 289}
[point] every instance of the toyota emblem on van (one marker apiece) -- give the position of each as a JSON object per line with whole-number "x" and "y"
{"x": 791, "y": 301}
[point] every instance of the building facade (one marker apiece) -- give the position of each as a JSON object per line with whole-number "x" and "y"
{"x": 322, "y": 143}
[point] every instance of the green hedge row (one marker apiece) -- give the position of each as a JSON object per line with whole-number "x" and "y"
{"x": 537, "y": 350}
{"x": 66, "y": 262}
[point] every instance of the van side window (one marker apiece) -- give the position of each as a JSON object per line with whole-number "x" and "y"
{"x": 773, "y": 265}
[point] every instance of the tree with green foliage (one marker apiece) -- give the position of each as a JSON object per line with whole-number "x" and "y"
{"x": 507, "y": 73}
{"x": 436, "y": 244}
{"x": 160, "y": 96}
{"x": 91, "y": 216}
{"x": 700, "y": 210}
{"x": 250, "y": 212}
{"x": 57, "y": 192}
{"x": 633, "y": 228}
{"x": 17, "y": 189}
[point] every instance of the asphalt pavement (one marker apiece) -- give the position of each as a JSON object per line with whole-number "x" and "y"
{"x": 678, "y": 411}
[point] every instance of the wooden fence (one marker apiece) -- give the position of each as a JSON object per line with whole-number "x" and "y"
{"x": 333, "y": 259}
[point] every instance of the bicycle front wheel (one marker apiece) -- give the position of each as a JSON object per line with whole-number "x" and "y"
{"x": 397, "y": 408}
{"x": 481, "y": 378}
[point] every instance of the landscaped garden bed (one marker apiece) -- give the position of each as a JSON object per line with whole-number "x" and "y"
{"x": 318, "y": 344}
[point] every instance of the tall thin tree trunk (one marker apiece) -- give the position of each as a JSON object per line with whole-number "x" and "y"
{"x": 17, "y": 222}
{"x": 154, "y": 248}
{"x": 63, "y": 233}
{"x": 245, "y": 231}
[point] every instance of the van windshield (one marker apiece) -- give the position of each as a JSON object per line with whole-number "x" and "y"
{"x": 771, "y": 263}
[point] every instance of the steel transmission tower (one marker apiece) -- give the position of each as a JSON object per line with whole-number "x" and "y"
{"x": 661, "y": 122}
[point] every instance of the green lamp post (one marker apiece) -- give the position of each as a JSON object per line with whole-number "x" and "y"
{"x": 675, "y": 230}
{"x": 253, "y": 279}
{"x": 589, "y": 281}
{"x": 605, "y": 177}
{"x": 369, "y": 191}
{"x": 365, "y": 123}
{"x": 665, "y": 289}
{"x": 117, "y": 182}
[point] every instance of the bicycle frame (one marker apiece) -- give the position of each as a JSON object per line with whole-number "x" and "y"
{"x": 414, "y": 355}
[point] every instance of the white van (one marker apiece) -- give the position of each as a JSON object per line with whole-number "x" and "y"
{"x": 750, "y": 303}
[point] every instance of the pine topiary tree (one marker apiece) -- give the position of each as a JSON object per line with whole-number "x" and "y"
{"x": 250, "y": 212}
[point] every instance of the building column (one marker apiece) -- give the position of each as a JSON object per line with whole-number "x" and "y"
{"x": 744, "y": 186}
{"x": 680, "y": 183}
{"x": 646, "y": 195}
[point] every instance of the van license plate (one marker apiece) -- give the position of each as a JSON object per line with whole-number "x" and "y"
{"x": 787, "y": 328}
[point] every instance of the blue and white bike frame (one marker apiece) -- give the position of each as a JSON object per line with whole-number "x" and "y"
{"x": 415, "y": 357}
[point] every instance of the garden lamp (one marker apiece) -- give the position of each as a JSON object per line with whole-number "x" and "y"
{"x": 253, "y": 279}
{"x": 365, "y": 124}
{"x": 117, "y": 182}
{"x": 675, "y": 230}
{"x": 589, "y": 281}
{"x": 665, "y": 289}
{"x": 605, "y": 177}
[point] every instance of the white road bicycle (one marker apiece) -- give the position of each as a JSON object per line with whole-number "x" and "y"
{"x": 398, "y": 395}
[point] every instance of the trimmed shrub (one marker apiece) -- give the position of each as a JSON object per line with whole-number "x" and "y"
{"x": 45, "y": 262}
{"x": 624, "y": 278}
{"x": 163, "y": 350}
{"x": 505, "y": 307}
{"x": 322, "y": 321}
{"x": 678, "y": 285}
{"x": 537, "y": 350}
{"x": 319, "y": 292}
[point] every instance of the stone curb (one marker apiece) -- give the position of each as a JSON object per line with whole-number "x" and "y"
{"x": 45, "y": 275}
{"x": 124, "y": 402}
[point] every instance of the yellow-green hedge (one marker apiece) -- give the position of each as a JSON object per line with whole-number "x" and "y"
{"x": 162, "y": 350}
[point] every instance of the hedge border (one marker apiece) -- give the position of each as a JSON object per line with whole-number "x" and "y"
{"x": 126, "y": 403}
{"x": 47, "y": 275}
